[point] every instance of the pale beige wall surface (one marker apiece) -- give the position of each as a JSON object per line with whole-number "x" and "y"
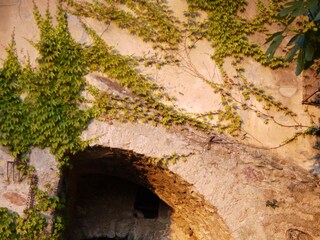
{"x": 191, "y": 92}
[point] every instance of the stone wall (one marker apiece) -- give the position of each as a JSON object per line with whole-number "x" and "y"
{"x": 236, "y": 180}
{"x": 192, "y": 217}
{"x": 232, "y": 182}
{"x": 225, "y": 191}
{"x": 13, "y": 191}
{"x": 191, "y": 92}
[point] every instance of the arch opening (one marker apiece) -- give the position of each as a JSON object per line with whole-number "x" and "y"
{"x": 118, "y": 194}
{"x": 108, "y": 207}
{"x": 108, "y": 200}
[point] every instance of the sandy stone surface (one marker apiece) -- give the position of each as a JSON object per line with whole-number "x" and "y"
{"x": 15, "y": 198}
{"x": 13, "y": 190}
{"x": 46, "y": 168}
{"x": 237, "y": 180}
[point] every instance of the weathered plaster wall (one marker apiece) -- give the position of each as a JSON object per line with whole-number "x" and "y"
{"x": 190, "y": 91}
{"x": 13, "y": 193}
{"x": 14, "y": 189}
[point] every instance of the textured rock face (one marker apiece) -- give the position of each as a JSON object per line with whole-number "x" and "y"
{"x": 229, "y": 191}
{"x": 239, "y": 182}
{"x": 13, "y": 191}
{"x": 46, "y": 168}
{"x": 15, "y": 198}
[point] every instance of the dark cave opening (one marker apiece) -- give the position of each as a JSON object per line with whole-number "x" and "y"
{"x": 107, "y": 199}
{"x": 147, "y": 203}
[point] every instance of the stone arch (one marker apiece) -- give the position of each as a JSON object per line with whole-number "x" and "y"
{"x": 236, "y": 181}
{"x": 249, "y": 193}
{"x": 191, "y": 216}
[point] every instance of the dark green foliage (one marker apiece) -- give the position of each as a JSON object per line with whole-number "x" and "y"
{"x": 14, "y": 120}
{"x": 228, "y": 32}
{"x": 30, "y": 226}
{"x": 40, "y": 107}
{"x": 314, "y": 130}
{"x": 49, "y": 115}
{"x": 8, "y": 224}
{"x": 55, "y": 89}
{"x": 273, "y": 203}
{"x": 303, "y": 18}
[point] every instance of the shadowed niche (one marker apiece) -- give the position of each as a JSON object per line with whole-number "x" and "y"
{"x": 107, "y": 199}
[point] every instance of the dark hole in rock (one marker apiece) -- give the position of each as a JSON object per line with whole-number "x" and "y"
{"x": 147, "y": 202}
{"x": 106, "y": 200}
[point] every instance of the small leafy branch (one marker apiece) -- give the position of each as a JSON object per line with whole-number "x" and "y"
{"x": 228, "y": 31}
{"x": 273, "y": 203}
{"x": 224, "y": 28}
{"x": 14, "y": 120}
{"x": 301, "y": 18}
{"x": 46, "y": 116}
{"x": 33, "y": 224}
{"x": 301, "y": 22}
{"x": 173, "y": 158}
{"x": 151, "y": 20}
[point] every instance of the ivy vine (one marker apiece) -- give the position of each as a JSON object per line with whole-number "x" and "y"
{"x": 40, "y": 106}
